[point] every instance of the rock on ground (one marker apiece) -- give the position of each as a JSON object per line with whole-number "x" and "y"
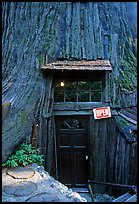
{"x": 34, "y": 184}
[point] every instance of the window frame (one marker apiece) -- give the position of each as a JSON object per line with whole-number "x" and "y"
{"x": 77, "y": 90}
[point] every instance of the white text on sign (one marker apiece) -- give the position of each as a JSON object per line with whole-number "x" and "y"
{"x": 103, "y": 112}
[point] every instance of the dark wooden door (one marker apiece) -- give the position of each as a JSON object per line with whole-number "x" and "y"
{"x": 72, "y": 150}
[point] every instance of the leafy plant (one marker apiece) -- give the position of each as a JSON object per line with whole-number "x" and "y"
{"x": 23, "y": 156}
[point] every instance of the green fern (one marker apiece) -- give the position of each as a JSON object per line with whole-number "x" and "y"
{"x": 23, "y": 156}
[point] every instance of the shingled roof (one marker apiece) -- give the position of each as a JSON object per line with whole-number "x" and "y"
{"x": 103, "y": 65}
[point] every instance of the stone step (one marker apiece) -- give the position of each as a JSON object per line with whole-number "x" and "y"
{"x": 20, "y": 172}
{"x": 80, "y": 190}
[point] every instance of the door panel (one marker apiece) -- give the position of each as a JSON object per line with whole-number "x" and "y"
{"x": 65, "y": 139}
{"x": 80, "y": 140}
{"x": 72, "y": 148}
{"x": 80, "y": 168}
{"x": 65, "y": 169}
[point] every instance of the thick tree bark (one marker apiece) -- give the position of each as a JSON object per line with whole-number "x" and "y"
{"x": 38, "y": 32}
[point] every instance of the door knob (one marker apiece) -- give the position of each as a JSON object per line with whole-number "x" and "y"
{"x": 86, "y": 157}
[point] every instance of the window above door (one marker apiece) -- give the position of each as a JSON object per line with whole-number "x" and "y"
{"x": 78, "y": 91}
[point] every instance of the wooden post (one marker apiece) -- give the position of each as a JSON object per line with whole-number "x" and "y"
{"x": 105, "y": 87}
{"x": 91, "y": 192}
{"x": 91, "y": 146}
{"x": 55, "y": 149}
{"x": 50, "y": 131}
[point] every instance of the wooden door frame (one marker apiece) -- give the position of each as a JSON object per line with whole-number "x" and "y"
{"x": 55, "y": 141}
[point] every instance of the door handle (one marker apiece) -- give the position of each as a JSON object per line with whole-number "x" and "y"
{"x": 86, "y": 157}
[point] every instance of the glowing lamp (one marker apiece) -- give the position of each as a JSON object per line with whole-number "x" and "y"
{"x": 62, "y": 83}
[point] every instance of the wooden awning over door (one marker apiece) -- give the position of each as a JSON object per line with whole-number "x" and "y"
{"x": 78, "y": 70}
{"x": 95, "y": 65}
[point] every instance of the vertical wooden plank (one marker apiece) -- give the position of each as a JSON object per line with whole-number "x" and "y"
{"x": 110, "y": 154}
{"x": 105, "y": 88}
{"x": 121, "y": 163}
{"x": 123, "y": 160}
{"x": 35, "y": 137}
{"x": 50, "y": 132}
{"x": 116, "y": 159}
{"x": 103, "y": 91}
{"x": 55, "y": 150}
{"x": 95, "y": 154}
{"x": 42, "y": 136}
{"x": 111, "y": 151}
{"x": 119, "y": 160}
{"x": 130, "y": 167}
{"x": 50, "y": 145}
{"x": 101, "y": 153}
{"x": 133, "y": 163}
{"x": 91, "y": 146}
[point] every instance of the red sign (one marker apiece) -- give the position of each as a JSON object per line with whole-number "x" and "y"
{"x": 103, "y": 112}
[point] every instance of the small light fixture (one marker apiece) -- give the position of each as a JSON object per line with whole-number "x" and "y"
{"x": 62, "y": 84}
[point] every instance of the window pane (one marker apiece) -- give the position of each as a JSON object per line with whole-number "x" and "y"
{"x": 59, "y": 96}
{"x": 83, "y": 85}
{"x": 86, "y": 91}
{"x": 70, "y": 96}
{"x": 71, "y": 85}
{"x": 97, "y": 85}
{"x": 83, "y": 96}
{"x": 96, "y": 96}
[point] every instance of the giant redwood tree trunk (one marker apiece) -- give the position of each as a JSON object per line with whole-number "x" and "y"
{"x": 34, "y": 33}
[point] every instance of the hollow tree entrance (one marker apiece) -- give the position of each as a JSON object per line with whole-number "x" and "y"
{"x": 78, "y": 87}
{"x": 72, "y": 150}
